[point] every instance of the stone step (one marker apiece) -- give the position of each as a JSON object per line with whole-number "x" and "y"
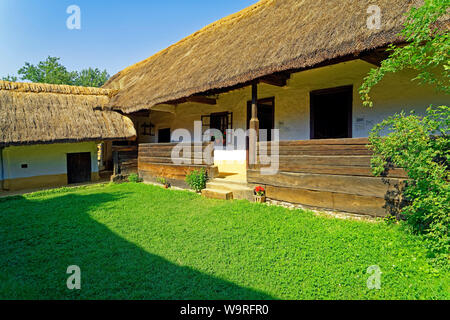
{"x": 229, "y": 181}
{"x": 239, "y": 190}
{"x": 217, "y": 194}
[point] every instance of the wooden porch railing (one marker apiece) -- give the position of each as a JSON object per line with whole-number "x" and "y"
{"x": 125, "y": 160}
{"x": 155, "y": 160}
{"x": 331, "y": 174}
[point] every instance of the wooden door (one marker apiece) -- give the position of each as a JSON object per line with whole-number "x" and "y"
{"x": 331, "y": 113}
{"x": 79, "y": 167}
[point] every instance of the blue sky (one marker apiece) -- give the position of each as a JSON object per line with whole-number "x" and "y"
{"x": 114, "y": 34}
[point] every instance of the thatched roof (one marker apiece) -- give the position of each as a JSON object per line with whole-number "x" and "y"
{"x": 32, "y": 113}
{"x": 270, "y": 36}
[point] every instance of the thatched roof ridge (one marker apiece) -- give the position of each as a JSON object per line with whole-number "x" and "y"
{"x": 54, "y": 88}
{"x": 268, "y": 37}
{"x": 33, "y": 113}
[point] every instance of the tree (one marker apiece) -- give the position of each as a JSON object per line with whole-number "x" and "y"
{"x": 426, "y": 52}
{"x": 91, "y": 77}
{"x": 9, "y": 78}
{"x": 419, "y": 145}
{"x": 48, "y": 71}
{"x": 52, "y": 71}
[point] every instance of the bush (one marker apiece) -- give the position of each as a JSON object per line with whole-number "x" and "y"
{"x": 421, "y": 146}
{"x": 134, "y": 178}
{"x": 197, "y": 179}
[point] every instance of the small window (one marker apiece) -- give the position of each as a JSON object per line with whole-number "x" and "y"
{"x": 164, "y": 135}
{"x": 24, "y": 166}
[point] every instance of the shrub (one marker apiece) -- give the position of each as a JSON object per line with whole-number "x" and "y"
{"x": 421, "y": 146}
{"x": 197, "y": 179}
{"x": 164, "y": 182}
{"x": 134, "y": 178}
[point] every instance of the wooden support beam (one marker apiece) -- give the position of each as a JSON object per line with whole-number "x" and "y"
{"x": 254, "y": 128}
{"x": 276, "y": 79}
{"x": 116, "y": 169}
{"x": 196, "y": 98}
{"x": 375, "y": 57}
{"x": 202, "y": 99}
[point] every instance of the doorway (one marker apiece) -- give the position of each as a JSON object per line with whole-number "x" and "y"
{"x": 79, "y": 167}
{"x": 331, "y": 113}
{"x": 266, "y": 115}
{"x": 164, "y": 135}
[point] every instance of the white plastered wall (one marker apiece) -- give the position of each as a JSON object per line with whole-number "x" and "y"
{"x": 45, "y": 159}
{"x": 394, "y": 94}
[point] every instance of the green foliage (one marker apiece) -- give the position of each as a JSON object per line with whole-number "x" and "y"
{"x": 48, "y": 71}
{"x": 10, "y": 78}
{"x": 421, "y": 146}
{"x": 427, "y": 50}
{"x": 134, "y": 178}
{"x": 197, "y": 179}
{"x": 163, "y": 181}
{"x": 91, "y": 78}
{"x": 52, "y": 71}
{"x": 136, "y": 241}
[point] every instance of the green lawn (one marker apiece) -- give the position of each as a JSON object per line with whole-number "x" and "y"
{"x": 136, "y": 241}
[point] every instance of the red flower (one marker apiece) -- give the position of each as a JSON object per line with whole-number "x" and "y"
{"x": 259, "y": 191}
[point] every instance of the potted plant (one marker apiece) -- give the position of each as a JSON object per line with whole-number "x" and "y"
{"x": 164, "y": 182}
{"x": 259, "y": 194}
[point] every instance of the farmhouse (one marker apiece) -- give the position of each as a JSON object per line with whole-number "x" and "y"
{"x": 289, "y": 65}
{"x": 49, "y": 133}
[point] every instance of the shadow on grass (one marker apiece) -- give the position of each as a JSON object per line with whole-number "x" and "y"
{"x": 41, "y": 238}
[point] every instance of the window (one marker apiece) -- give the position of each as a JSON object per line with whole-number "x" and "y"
{"x": 331, "y": 113}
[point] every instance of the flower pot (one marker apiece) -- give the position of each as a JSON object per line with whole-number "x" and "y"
{"x": 259, "y": 199}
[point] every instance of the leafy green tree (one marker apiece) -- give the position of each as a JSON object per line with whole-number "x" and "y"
{"x": 91, "y": 77}
{"x": 52, "y": 71}
{"x": 427, "y": 50}
{"x": 9, "y": 78}
{"x": 420, "y": 145}
{"x": 48, "y": 71}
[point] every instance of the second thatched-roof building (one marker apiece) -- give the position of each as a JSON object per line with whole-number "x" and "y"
{"x": 49, "y": 133}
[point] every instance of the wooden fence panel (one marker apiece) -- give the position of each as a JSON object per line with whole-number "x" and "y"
{"x": 330, "y": 174}
{"x": 156, "y": 161}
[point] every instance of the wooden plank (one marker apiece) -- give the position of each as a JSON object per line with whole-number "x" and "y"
{"x": 344, "y": 141}
{"x": 167, "y": 160}
{"x": 334, "y": 170}
{"x": 168, "y": 170}
{"x": 373, "y": 206}
{"x": 360, "y": 161}
{"x": 364, "y": 186}
{"x": 149, "y": 145}
{"x": 324, "y": 152}
{"x": 170, "y": 147}
{"x": 320, "y": 147}
{"x": 338, "y": 152}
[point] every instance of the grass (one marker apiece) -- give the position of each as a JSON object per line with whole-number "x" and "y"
{"x": 135, "y": 241}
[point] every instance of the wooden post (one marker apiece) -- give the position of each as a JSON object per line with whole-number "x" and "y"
{"x": 116, "y": 162}
{"x": 254, "y": 127}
